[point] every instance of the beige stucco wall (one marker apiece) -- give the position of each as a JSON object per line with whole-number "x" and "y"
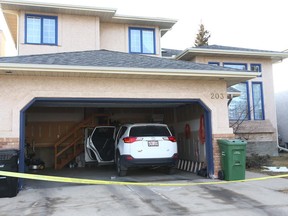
{"x": 78, "y": 33}
{"x": 116, "y": 37}
{"x": 18, "y": 91}
{"x": 75, "y": 33}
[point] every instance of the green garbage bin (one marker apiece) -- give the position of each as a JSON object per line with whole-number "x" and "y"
{"x": 233, "y": 159}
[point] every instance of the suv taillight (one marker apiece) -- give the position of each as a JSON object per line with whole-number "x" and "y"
{"x": 170, "y": 138}
{"x": 131, "y": 139}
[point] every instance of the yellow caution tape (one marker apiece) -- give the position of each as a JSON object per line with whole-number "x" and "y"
{"x": 104, "y": 182}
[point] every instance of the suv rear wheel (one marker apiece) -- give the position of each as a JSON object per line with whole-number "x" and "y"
{"x": 120, "y": 170}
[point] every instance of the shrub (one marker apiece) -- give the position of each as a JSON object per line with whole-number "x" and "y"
{"x": 257, "y": 161}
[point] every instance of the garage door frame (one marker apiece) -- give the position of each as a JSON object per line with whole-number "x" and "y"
{"x": 207, "y": 117}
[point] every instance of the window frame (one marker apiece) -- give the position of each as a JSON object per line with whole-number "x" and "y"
{"x": 141, "y": 40}
{"x": 214, "y": 63}
{"x": 42, "y": 17}
{"x": 248, "y": 104}
{"x": 260, "y": 68}
{"x": 262, "y": 99}
{"x": 235, "y": 63}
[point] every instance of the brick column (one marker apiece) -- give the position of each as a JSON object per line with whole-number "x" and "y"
{"x": 216, "y": 150}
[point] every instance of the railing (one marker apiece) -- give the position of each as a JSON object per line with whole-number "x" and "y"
{"x": 69, "y": 146}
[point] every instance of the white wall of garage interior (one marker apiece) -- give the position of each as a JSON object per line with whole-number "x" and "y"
{"x": 26, "y": 88}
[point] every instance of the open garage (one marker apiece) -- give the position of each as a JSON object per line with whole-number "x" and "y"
{"x": 55, "y": 127}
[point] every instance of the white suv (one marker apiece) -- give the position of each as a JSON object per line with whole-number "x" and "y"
{"x": 140, "y": 145}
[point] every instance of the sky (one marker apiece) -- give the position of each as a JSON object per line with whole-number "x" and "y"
{"x": 257, "y": 24}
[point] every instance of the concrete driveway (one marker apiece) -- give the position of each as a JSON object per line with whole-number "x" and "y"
{"x": 267, "y": 197}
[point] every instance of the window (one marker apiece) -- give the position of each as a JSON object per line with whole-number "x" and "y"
{"x": 258, "y": 106}
{"x": 256, "y": 68}
{"x": 41, "y": 30}
{"x": 143, "y": 131}
{"x": 239, "y": 108}
{"x": 142, "y": 40}
{"x": 214, "y": 63}
{"x": 239, "y": 66}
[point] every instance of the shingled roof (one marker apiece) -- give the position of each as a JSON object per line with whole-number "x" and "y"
{"x": 105, "y": 58}
{"x": 220, "y": 47}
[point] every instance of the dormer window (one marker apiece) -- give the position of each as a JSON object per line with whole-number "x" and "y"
{"x": 40, "y": 29}
{"x": 142, "y": 40}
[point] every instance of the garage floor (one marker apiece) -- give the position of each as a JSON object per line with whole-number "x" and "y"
{"x": 108, "y": 173}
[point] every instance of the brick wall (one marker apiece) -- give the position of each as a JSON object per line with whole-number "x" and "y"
{"x": 216, "y": 151}
{"x": 9, "y": 143}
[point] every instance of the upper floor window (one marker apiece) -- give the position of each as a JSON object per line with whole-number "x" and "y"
{"x": 214, "y": 63}
{"x": 256, "y": 68}
{"x": 41, "y": 29}
{"x": 142, "y": 40}
{"x": 239, "y": 66}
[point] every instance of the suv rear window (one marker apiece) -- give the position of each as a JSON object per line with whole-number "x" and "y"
{"x": 142, "y": 131}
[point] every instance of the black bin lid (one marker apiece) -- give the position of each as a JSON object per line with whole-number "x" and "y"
{"x": 7, "y": 154}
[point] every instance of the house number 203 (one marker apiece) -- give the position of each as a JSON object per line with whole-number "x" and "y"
{"x": 217, "y": 96}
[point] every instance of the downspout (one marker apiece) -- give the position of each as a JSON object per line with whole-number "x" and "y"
{"x": 281, "y": 148}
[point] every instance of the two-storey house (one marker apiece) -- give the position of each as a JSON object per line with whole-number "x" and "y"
{"x": 81, "y": 66}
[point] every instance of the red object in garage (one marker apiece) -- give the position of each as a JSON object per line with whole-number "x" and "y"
{"x": 202, "y": 130}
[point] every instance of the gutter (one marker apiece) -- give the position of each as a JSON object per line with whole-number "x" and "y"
{"x": 8, "y": 67}
{"x": 150, "y": 19}
{"x": 57, "y": 6}
{"x": 280, "y": 55}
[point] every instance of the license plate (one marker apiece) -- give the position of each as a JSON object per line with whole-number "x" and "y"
{"x": 153, "y": 143}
